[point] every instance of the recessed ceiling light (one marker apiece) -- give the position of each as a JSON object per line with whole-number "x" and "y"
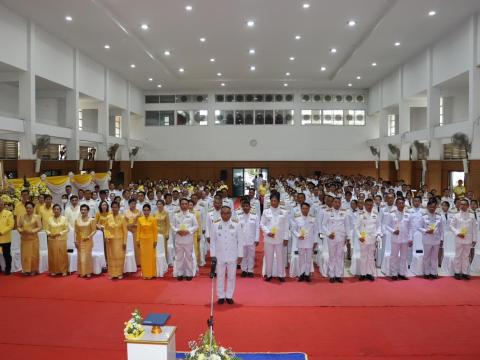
{"x": 350, "y": 85}
{"x": 167, "y": 53}
{"x": 106, "y": 46}
{"x": 132, "y": 66}
{"x": 145, "y": 27}
{"x": 298, "y": 37}
{"x": 68, "y": 18}
{"x": 351, "y": 23}
{"x": 397, "y": 43}
{"x": 189, "y": 7}
{"x": 150, "y": 79}
{"x": 287, "y": 74}
{"x": 306, "y": 5}
{"x": 159, "y": 86}
{"x": 250, "y": 23}
{"x": 252, "y": 68}
{"x": 251, "y": 51}
{"x": 212, "y": 60}
{"x": 333, "y": 50}
{"x": 374, "y": 64}
{"x": 432, "y": 13}
{"x": 222, "y": 84}
{"x": 202, "y": 39}
{"x": 292, "y": 58}
{"x": 285, "y": 84}
{"x": 323, "y": 68}
{"x": 219, "y": 74}
{"x": 359, "y": 77}
{"x": 181, "y": 70}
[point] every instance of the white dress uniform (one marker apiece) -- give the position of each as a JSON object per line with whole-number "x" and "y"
{"x": 184, "y": 244}
{"x": 398, "y": 258}
{"x": 463, "y": 222}
{"x": 416, "y": 216}
{"x": 336, "y": 222}
{"x": 227, "y": 247}
{"x": 249, "y": 234}
{"x": 212, "y": 216}
{"x": 274, "y": 220}
{"x": 384, "y": 218}
{"x": 368, "y": 224}
{"x": 305, "y": 226}
{"x": 431, "y": 242}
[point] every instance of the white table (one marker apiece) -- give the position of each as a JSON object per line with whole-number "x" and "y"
{"x": 153, "y": 346}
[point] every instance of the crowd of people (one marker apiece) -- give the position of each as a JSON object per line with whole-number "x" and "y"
{"x": 295, "y": 216}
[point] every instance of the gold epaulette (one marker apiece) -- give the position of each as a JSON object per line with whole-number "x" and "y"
{"x": 234, "y": 220}
{"x": 216, "y": 221}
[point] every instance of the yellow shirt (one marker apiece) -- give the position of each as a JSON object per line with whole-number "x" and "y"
{"x": 262, "y": 190}
{"x": 19, "y": 211}
{"x": 459, "y": 191}
{"x": 38, "y": 209}
{"x": 101, "y": 218}
{"x": 6, "y": 226}
{"x": 116, "y": 227}
{"x": 46, "y": 214}
{"x": 57, "y": 226}
{"x": 163, "y": 223}
{"x": 147, "y": 228}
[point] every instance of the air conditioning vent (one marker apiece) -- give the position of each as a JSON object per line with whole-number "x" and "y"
{"x": 239, "y": 98}
{"x": 327, "y": 98}
{"x": 349, "y": 98}
{"x": 249, "y": 98}
{"x": 278, "y": 97}
{"x": 305, "y": 98}
{"x": 268, "y": 98}
{"x": 360, "y": 98}
{"x": 219, "y": 98}
{"x": 317, "y": 97}
{"x": 229, "y": 98}
{"x": 289, "y": 97}
{"x": 259, "y": 98}
{"x": 338, "y": 98}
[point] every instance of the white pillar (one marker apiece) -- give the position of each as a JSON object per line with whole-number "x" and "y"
{"x": 27, "y": 102}
{"x": 474, "y": 90}
{"x": 433, "y": 112}
{"x": 124, "y": 153}
{"x": 72, "y": 106}
{"x": 103, "y": 120}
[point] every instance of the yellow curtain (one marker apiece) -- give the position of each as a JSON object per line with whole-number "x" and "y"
{"x": 55, "y": 181}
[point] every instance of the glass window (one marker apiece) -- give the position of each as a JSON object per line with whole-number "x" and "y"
{"x": 259, "y": 117}
{"x": 249, "y": 120}
{"x": 167, "y": 99}
{"x": 289, "y": 117}
{"x": 152, "y": 118}
{"x": 229, "y": 117}
{"x": 316, "y": 117}
{"x": 268, "y": 117}
{"x": 183, "y": 117}
{"x": 392, "y": 124}
{"x": 355, "y": 117}
{"x": 306, "y": 117}
{"x": 327, "y": 117}
{"x": 152, "y": 99}
{"x": 441, "y": 123}
{"x": 167, "y": 118}
{"x": 337, "y": 117}
{"x": 200, "y": 117}
{"x": 279, "y": 117}
{"x": 80, "y": 120}
{"x": 239, "y": 117}
{"x": 219, "y": 117}
{"x": 118, "y": 126}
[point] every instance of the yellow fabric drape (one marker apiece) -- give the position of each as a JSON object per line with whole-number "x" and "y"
{"x": 81, "y": 179}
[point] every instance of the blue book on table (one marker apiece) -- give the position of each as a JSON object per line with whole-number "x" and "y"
{"x": 156, "y": 319}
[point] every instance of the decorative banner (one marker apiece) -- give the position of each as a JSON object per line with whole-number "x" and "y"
{"x": 55, "y": 185}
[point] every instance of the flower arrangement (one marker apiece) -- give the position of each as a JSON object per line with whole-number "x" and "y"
{"x": 133, "y": 327}
{"x": 200, "y": 350}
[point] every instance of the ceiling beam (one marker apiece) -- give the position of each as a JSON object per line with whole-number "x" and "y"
{"x": 389, "y": 6}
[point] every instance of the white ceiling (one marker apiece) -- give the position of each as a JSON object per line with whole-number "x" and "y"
{"x": 223, "y": 23}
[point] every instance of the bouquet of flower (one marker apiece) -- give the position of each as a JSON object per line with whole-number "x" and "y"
{"x": 200, "y": 350}
{"x": 133, "y": 327}
{"x": 274, "y": 230}
{"x": 464, "y": 231}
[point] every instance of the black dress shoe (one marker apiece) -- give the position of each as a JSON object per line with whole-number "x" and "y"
{"x": 230, "y": 301}
{"x": 394, "y": 278}
{"x": 268, "y": 278}
{"x": 250, "y": 274}
{"x": 339, "y": 280}
{"x": 426, "y": 277}
{"x": 281, "y": 279}
{"x": 221, "y": 301}
{"x": 331, "y": 280}
{"x": 307, "y": 278}
{"x": 362, "y": 278}
{"x": 370, "y": 277}
{"x": 179, "y": 278}
{"x": 458, "y": 276}
{"x": 466, "y": 277}
{"x": 402, "y": 277}
{"x": 301, "y": 278}
{"x": 434, "y": 277}
{"x": 8, "y": 272}
{"x": 244, "y": 274}
{"x": 189, "y": 278}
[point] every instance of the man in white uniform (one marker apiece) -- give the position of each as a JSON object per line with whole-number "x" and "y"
{"x": 226, "y": 246}
{"x": 184, "y": 225}
{"x": 464, "y": 226}
{"x": 369, "y": 230}
{"x": 274, "y": 224}
{"x": 304, "y": 229}
{"x": 335, "y": 227}
{"x": 384, "y": 218}
{"x": 399, "y": 226}
{"x": 433, "y": 233}
{"x": 249, "y": 222}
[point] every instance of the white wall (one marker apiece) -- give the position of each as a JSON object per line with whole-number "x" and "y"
{"x": 8, "y": 100}
{"x": 455, "y": 105}
{"x": 90, "y": 120}
{"x": 13, "y": 39}
{"x": 375, "y": 98}
{"x": 451, "y": 56}
{"x": 391, "y": 90}
{"x": 53, "y": 59}
{"x": 137, "y": 100}
{"x": 415, "y": 76}
{"x": 91, "y": 80}
{"x": 51, "y": 111}
{"x": 118, "y": 90}
{"x": 418, "y": 118}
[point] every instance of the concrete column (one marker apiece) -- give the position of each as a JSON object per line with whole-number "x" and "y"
{"x": 27, "y": 103}
{"x": 103, "y": 120}
{"x": 433, "y": 112}
{"x": 474, "y": 90}
{"x": 72, "y": 106}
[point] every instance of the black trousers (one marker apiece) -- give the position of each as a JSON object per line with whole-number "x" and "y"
{"x": 7, "y": 256}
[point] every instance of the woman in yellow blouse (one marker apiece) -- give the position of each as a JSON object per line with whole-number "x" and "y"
{"x": 101, "y": 215}
{"x": 28, "y": 226}
{"x": 131, "y": 215}
{"x": 57, "y": 230}
{"x": 147, "y": 238}
{"x": 116, "y": 236}
{"x": 163, "y": 223}
{"x": 85, "y": 228}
